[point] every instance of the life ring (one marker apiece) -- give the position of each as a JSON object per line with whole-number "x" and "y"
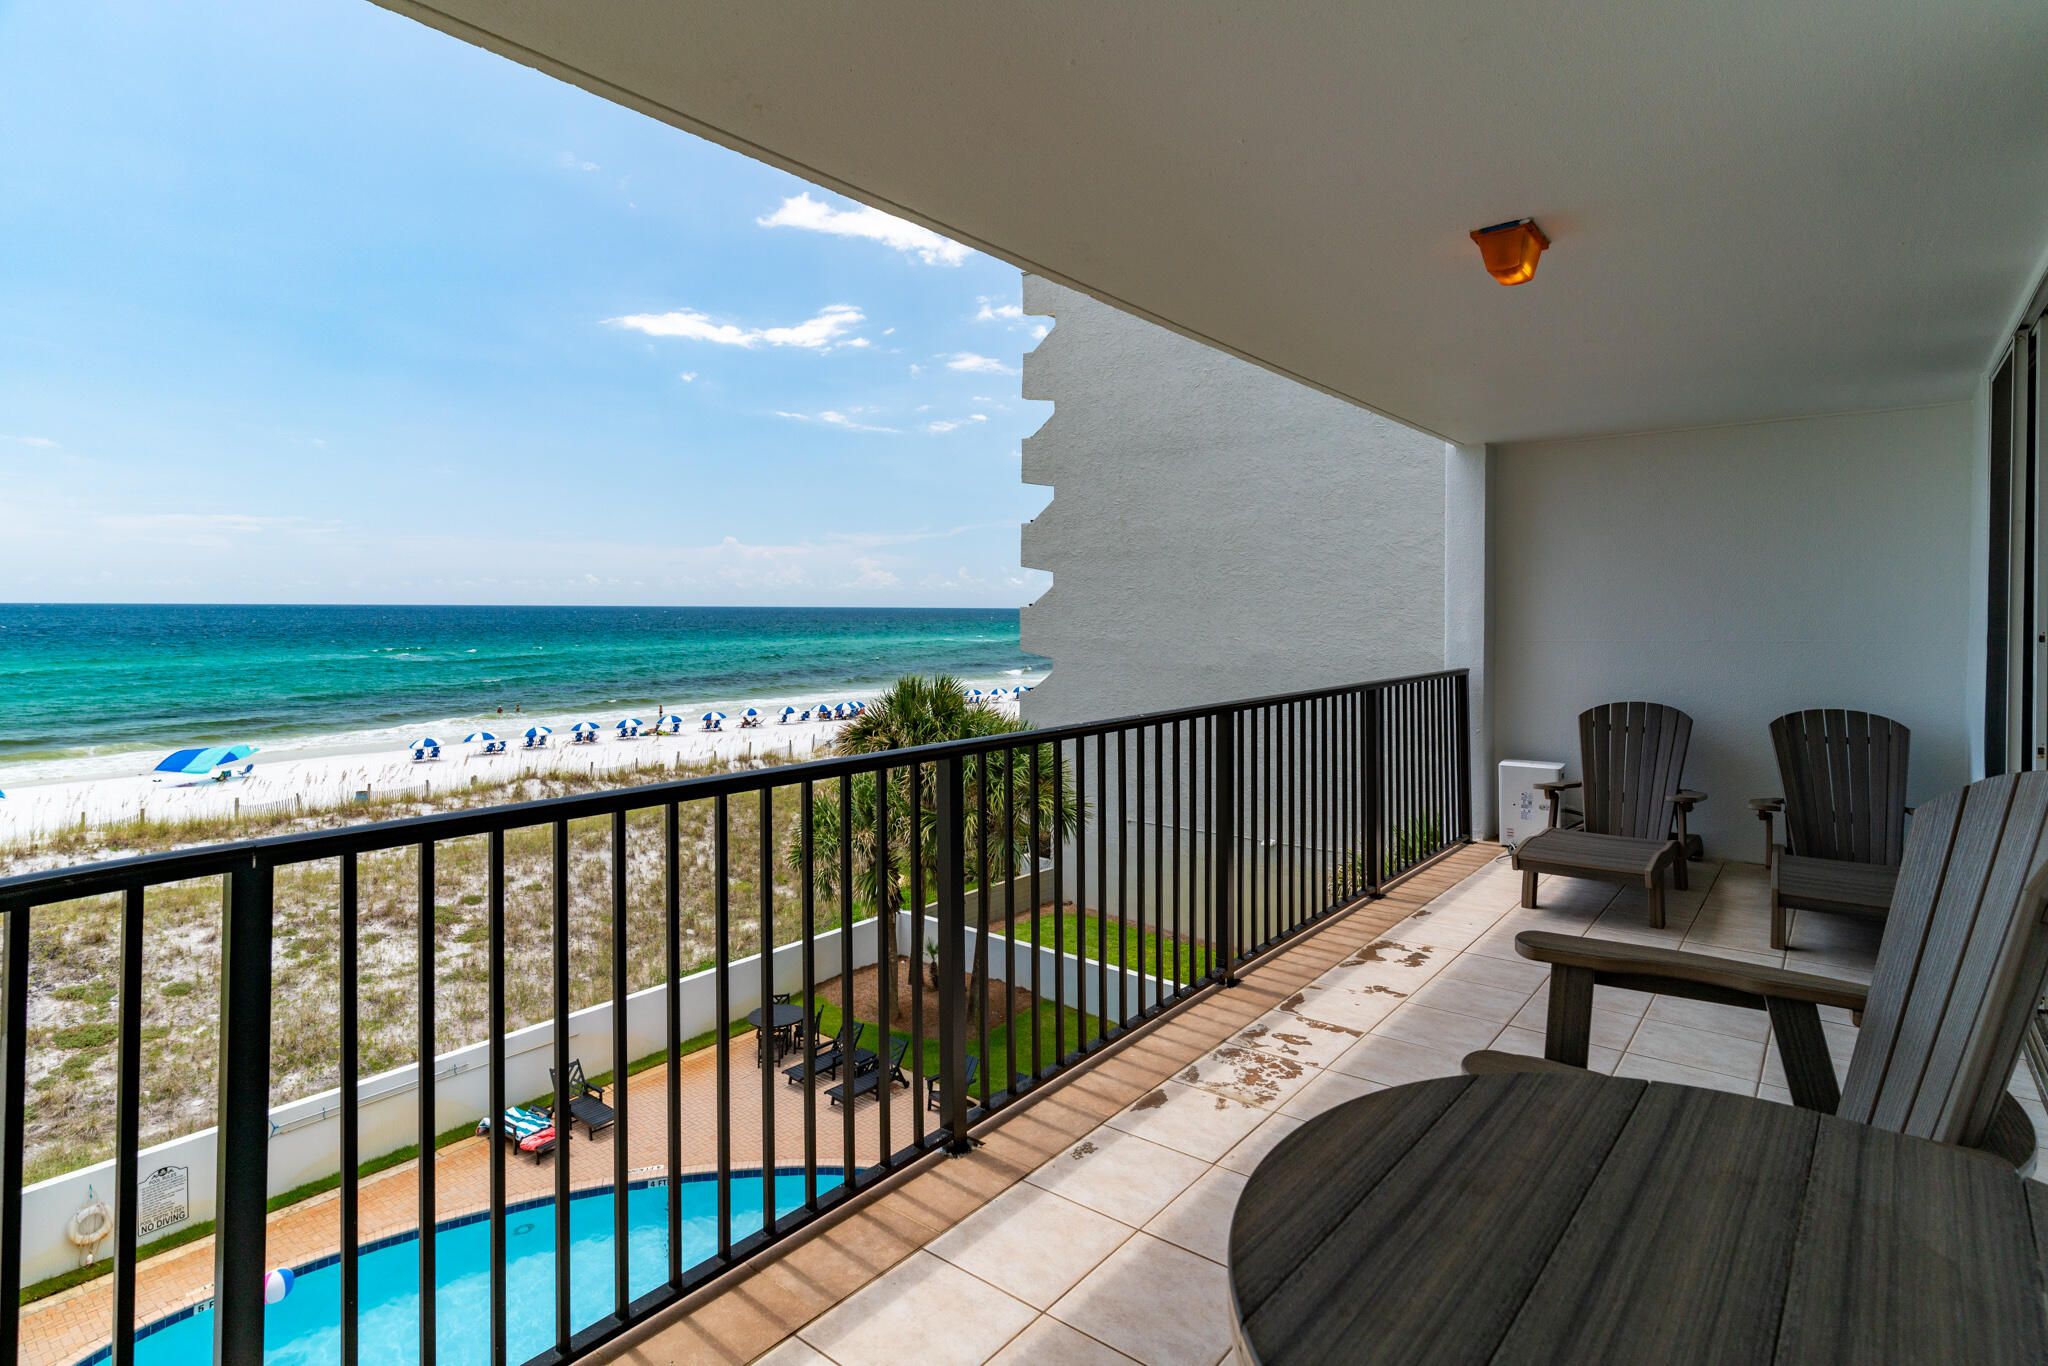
{"x": 90, "y": 1226}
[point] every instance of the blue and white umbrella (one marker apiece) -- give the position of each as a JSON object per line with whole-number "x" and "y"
{"x": 823, "y": 709}
{"x": 536, "y": 732}
{"x": 714, "y": 716}
{"x": 788, "y": 712}
{"x": 483, "y": 735}
{"x": 750, "y": 712}
{"x": 630, "y": 723}
{"x": 581, "y": 726}
{"x": 426, "y": 742}
{"x": 204, "y": 760}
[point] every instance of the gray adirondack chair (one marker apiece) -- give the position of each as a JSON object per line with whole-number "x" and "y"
{"x": 1631, "y": 757}
{"x": 1961, "y": 967}
{"x": 1845, "y": 814}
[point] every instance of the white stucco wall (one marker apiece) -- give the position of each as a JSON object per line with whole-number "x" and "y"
{"x": 1216, "y": 531}
{"x": 1740, "y": 573}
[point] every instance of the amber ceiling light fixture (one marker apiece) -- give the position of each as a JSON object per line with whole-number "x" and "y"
{"x": 1510, "y": 249}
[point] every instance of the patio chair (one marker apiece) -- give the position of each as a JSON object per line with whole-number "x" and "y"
{"x": 1845, "y": 814}
{"x": 1960, "y": 971}
{"x": 826, "y": 1061}
{"x": 934, "y": 1098}
{"x": 530, "y": 1131}
{"x": 868, "y": 1076}
{"x": 585, "y": 1102}
{"x": 1632, "y": 755}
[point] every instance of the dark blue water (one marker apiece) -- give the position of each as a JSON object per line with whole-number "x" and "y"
{"x": 94, "y": 680}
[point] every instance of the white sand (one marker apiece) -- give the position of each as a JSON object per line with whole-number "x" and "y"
{"x": 326, "y": 781}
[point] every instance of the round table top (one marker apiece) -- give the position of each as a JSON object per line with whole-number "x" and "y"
{"x": 1515, "y": 1218}
{"x": 784, "y": 1016}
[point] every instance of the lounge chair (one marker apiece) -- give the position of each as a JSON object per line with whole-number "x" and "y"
{"x": 1632, "y": 755}
{"x": 530, "y": 1131}
{"x": 1845, "y": 814}
{"x": 1958, "y": 976}
{"x": 933, "y": 1098}
{"x": 829, "y": 1056}
{"x": 586, "y": 1102}
{"x": 868, "y": 1076}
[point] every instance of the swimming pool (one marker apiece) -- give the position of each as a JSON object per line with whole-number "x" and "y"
{"x": 304, "y": 1328}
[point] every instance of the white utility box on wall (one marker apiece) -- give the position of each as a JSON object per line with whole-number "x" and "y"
{"x": 1523, "y": 810}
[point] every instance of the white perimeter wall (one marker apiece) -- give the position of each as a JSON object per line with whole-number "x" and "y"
{"x": 1216, "y": 531}
{"x": 1740, "y": 573}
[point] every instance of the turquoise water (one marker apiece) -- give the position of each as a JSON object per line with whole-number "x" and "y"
{"x": 85, "y": 682}
{"x": 302, "y": 1329}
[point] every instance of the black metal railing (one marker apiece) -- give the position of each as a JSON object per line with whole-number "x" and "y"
{"x": 1060, "y": 887}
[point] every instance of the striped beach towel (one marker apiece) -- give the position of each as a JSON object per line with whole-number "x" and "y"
{"x": 530, "y": 1128}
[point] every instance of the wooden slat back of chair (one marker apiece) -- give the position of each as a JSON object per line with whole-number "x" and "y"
{"x": 1845, "y": 784}
{"x": 1631, "y": 757}
{"x": 1963, "y": 961}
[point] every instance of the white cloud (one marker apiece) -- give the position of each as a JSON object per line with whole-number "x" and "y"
{"x": 819, "y": 333}
{"x": 977, "y": 365}
{"x": 802, "y": 211}
{"x": 1039, "y": 331}
{"x": 39, "y": 442}
{"x": 872, "y": 574}
{"x": 571, "y": 162}
{"x": 835, "y": 419}
{"x": 687, "y": 376}
{"x": 942, "y": 426}
{"x": 994, "y": 312}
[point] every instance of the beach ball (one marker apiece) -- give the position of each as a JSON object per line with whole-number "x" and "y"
{"x": 277, "y": 1285}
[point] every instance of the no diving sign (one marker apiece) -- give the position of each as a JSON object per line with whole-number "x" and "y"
{"x": 162, "y": 1199}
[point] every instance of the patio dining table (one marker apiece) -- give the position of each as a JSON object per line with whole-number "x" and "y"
{"x": 1552, "y": 1218}
{"x": 783, "y": 1019}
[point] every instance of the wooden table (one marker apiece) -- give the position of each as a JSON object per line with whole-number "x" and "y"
{"x": 1531, "y": 1218}
{"x": 783, "y": 1017}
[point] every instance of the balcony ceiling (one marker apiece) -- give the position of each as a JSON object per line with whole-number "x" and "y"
{"x": 1758, "y": 210}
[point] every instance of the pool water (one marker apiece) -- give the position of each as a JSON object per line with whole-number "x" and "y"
{"x": 304, "y": 1326}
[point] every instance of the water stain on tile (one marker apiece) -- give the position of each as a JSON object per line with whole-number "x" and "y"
{"x": 1082, "y": 1151}
{"x": 1255, "y": 1075}
{"x": 1153, "y": 1100}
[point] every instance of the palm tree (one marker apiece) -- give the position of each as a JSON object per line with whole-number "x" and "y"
{"x": 920, "y": 710}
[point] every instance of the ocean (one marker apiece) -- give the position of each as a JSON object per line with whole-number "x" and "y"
{"x": 87, "y": 690}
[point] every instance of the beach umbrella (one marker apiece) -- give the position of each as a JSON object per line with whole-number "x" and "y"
{"x": 482, "y": 735}
{"x": 750, "y": 712}
{"x": 535, "y": 732}
{"x": 203, "y": 760}
{"x": 582, "y": 726}
{"x": 630, "y": 723}
{"x": 425, "y": 742}
{"x": 714, "y": 716}
{"x": 789, "y": 711}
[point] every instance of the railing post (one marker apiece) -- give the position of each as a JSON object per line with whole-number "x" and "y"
{"x": 1226, "y": 843}
{"x": 1461, "y": 686}
{"x": 243, "y": 1148}
{"x": 1375, "y": 787}
{"x": 949, "y": 811}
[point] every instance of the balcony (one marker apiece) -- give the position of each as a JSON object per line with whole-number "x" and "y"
{"x": 1098, "y": 876}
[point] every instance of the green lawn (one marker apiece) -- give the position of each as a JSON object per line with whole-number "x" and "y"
{"x": 1128, "y": 943}
{"x": 996, "y": 1066}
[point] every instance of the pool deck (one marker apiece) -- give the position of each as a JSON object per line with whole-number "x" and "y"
{"x": 63, "y": 1328}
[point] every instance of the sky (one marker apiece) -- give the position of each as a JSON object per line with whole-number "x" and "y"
{"x": 308, "y": 303}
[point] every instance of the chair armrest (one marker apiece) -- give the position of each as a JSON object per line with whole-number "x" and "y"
{"x": 1685, "y": 797}
{"x": 1644, "y": 967}
{"x": 1763, "y": 804}
{"x": 1557, "y": 787}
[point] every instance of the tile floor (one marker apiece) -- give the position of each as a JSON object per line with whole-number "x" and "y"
{"x": 1113, "y": 1251}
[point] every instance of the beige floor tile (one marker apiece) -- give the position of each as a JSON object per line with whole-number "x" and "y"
{"x": 1199, "y": 1217}
{"x": 1777, "y": 1093}
{"x": 1030, "y": 1243}
{"x": 1462, "y": 996}
{"x": 1327, "y": 1090}
{"x": 1396, "y": 1062}
{"x": 1610, "y": 1028}
{"x": 1346, "y": 1008}
{"x": 793, "y": 1352}
{"x": 1516, "y": 974}
{"x": 1654, "y": 1069}
{"x": 1122, "y": 1304}
{"x": 926, "y": 1310}
{"x": 1120, "y": 1174}
{"x": 1246, "y": 1156}
{"x": 1048, "y": 1342}
{"x": 1194, "y": 1120}
{"x": 1302, "y": 1039}
{"x": 1253, "y": 1076}
{"x": 1529, "y": 1043}
{"x": 1441, "y": 1029}
{"x": 1754, "y": 1025}
{"x": 1742, "y": 1059}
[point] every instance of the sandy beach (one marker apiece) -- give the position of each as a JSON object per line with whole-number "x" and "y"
{"x": 302, "y": 776}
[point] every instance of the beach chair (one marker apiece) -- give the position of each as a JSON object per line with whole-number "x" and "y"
{"x": 1631, "y": 756}
{"x": 934, "y": 1099}
{"x": 870, "y": 1075}
{"x": 1845, "y": 814}
{"x": 1959, "y": 974}
{"x": 830, "y": 1055}
{"x": 530, "y": 1131}
{"x": 586, "y": 1102}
